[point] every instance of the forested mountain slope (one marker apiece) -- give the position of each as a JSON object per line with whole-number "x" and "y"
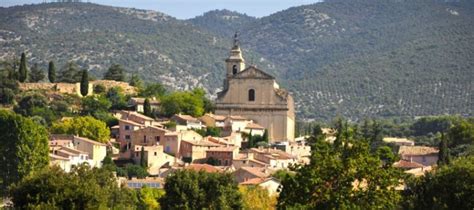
{"x": 357, "y": 58}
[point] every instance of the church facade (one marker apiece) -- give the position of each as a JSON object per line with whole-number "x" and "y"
{"x": 254, "y": 94}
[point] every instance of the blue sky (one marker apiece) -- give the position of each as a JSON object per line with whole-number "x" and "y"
{"x": 184, "y": 9}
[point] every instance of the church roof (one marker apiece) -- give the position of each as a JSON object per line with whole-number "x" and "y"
{"x": 254, "y": 73}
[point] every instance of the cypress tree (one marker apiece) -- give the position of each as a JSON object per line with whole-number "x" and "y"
{"x": 23, "y": 72}
{"x": 265, "y": 136}
{"x": 51, "y": 72}
{"x": 250, "y": 140}
{"x": 147, "y": 108}
{"x": 443, "y": 155}
{"x": 142, "y": 158}
{"x": 84, "y": 83}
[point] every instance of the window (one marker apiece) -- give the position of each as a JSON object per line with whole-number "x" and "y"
{"x": 234, "y": 69}
{"x": 157, "y": 139}
{"x": 156, "y": 154}
{"x": 127, "y": 137}
{"x": 144, "y": 139}
{"x": 251, "y": 95}
{"x": 127, "y": 127}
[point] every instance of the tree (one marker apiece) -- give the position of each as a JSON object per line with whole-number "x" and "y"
{"x": 255, "y": 197}
{"x": 443, "y": 155}
{"x": 187, "y": 189}
{"x": 99, "y": 89}
{"x": 347, "y": 176}
{"x": 115, "y": 72}
{"x": 87, "y": 127}
{"x": 186, "y": 102}
{"x": 265, "y": 136}
{"x": 135, "y": 81}
{"x": 23, "y": 71}
{"x": 23, "y": 148}
{"x": 148, "y": 198}
{"x": 143, "y": 162}
{"x": 82, "y": 188}
{"x": 70, "y": 73}
{"x": 95, "y": 104}
{"x": 147, "y": 108}
{"x": 51, "y": 72}
{"x": 132, "y": 170}
{"x": 153, "y": 90}
{"x": 449, "y": 187}
{"x": 117, "y": 98}
{"x": 250, "y": 141}
{"x": 84, "y": 83}
{"x": 37, "y": 73}
{"x": 8, "y": 83}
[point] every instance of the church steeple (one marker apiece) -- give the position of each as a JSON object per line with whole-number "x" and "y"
{"x": 235, "y": 62}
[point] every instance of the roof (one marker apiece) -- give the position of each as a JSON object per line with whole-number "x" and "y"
{"x": 215, "y": 117}
{"x": 152, "y": 127}
{"x": 417, "y": 150}
{"x": 61, "y": 137}
{"x": 222, "y": 149}
{"x": 254, "y": 181}
{"x": 273, "y": 153}
{"x": 203, "y": 167}
{"x": 130, "y": 122}
{"x": 201, "y": 143}
{"x": 419, "y": 171}
{"x": 257, "y": 171}
{"x": 395, "y": 140}
{"x": 185, "y": 117}
{"x": 253, "y": 72}
{"x": 57, "y": 157}
{"x": 126, "y": 114}
{"x": 407, "y": 164}
{"x": 254, "y": 126}
{"x": 89, "y": 141}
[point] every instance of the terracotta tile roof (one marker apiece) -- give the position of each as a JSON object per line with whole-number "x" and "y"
{"x": 202, "y": 143}
{"x": 254, "y": 126}
{"x": 57, "y": 157}
{"x": 126, "y": 114}
{"x": 417, "y": 150}
{"x": 89, "y": 141}
{"x": 185, "y": 117}
{"x": 254, "y": 181}
{"x": 407, "y": 164}
{"x": 257, "y": 171}
{"x": 216, "y": 117}
{"x": 273, "y": 153}
{"x": 203, "y": 167}
{"x": 222, "y": 149}
{"x": 130, "y": 122}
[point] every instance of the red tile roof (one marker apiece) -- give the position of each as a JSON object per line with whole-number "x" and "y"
{"x": 203, "y": 167}
{"x": 407, "y": 164}
{"x": 417, "y": 150}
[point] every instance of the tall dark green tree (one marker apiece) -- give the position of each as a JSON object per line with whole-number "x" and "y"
{"x": 135, "y": 81}
{"x": 443, "y": 155}
{"x": 23, "y": 148}
{"x": 147, "y": 108}
{"x": 265, "y": 136}
{"x": 36, "y": 74}
{"x": 51, "y": 72}
{"x": 250, "y": 140}
{"x": 115, "y": 72}
{"x": 143, "y": 162}
{"x": 70, "y": 73}
{"x": 23, "y": 71}
{"x": 84, "y": 83}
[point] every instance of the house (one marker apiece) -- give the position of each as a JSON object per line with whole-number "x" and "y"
{"x": 244, "y": 174}
{"x": 212, "y": 120}
{"x": 195, "y": 150}
{"x": 135, "y": 117}
{"x": 407, "y": 165}
{"x": 297, "y": 149}
{"x": 138, "y": 104}
{"x": 399, "y": 141}
{"x": 274, "y": 158}
{"x": 186, "y": 121}
{"x": 95, "y": 150}
{"x": 172, "y": 140}
{"x": 223, "y": 155}
{"x": 236, "y": 123}
{"x": 256, "y": 129}
{"x": 74, "y": 156}
{"x": 203, "y": 167}
{"x": 154, "y": 156}
{"x": 271, "y": 184}
{"x": 245, "y": 159}
{"x": 426, "y": 156}
{"x": 60, "y": 161}
{"x": 151, "y": 182}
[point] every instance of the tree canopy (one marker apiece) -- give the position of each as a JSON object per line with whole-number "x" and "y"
{"x": 23, "y": 148}
{"x": 115, "y": 72}
{"x": 87, "y": 126}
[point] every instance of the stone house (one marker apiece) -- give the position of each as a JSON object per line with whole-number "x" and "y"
{"x": 223, "y": 155}
{"x": 426, "y": 156}
{"x": 95, "y": 150}
{"x": 244, "y": 174}
{"x": 212, "y": 120}
{"x": 195, "y": 150}
{"x": 188, "y": 121}
{"x": 138, "y": 104}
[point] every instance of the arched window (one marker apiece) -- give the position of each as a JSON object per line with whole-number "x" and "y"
{"x": 251, "y": 95}
{"x": 234, "y": 69}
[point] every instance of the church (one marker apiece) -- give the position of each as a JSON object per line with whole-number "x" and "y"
{"x": 254, "y": 94}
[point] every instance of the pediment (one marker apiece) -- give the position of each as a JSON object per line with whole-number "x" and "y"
{"x": 253, "y": 73}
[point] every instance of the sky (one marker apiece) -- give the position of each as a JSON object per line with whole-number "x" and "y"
{"x": 184, "y": 9}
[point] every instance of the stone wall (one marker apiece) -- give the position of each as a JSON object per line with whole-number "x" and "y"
{"x": 74, "y": 88}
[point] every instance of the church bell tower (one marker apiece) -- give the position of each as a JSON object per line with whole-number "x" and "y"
{"x": 235, "y": 62}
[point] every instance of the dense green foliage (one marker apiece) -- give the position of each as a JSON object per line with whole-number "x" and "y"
{"x": 83, "y": 188}
{"x": 133, "y": 170}
{"x": 70, "y": 73}
{"x": 185, "y": 102}
{"x": 23, "y": 148}
{"x": 147, "y": 108}
{"x": 115, "y": 72}
{"x": 87, "y": 126}
{"x": 448, "y": 187}
{"x": 257, "y": 198}
{"x": 342, "y": 175}
{"x": 8, "y": 82}
{"x": 186, "y": 189}
{"x": 37, "y": 74}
